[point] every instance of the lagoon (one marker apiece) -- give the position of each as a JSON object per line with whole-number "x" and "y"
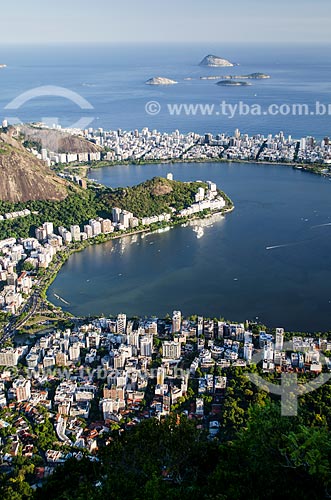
{"x": 269, "y": 259}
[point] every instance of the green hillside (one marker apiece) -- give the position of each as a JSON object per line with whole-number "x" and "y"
{"x": 153, "y": 197}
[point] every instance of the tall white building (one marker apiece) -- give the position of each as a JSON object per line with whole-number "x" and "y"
{"x": 171, "y": 350}
{"x": 116, "y": 212}
{"x": 146, "y": 346}
{"x": 74, "y": 352}
{"x": 200, "y": 195}
{"x": 49, "y": 228}
{"x": 96, "y": 227}
{"x": 88, "y": 230}
{"x": 125, "y": 218}
{"x": 248, "y": 352}
{"x": 133, "y": 339}
{"x": 107, "y": 226}
{"x": 75, "y": 232}
{"x": 303, "y": 143}
{"x": 176, "y": 321}
{"x": 200, "y": 326}
{"x": 44, "y": 154}
{"x": 67, "y": 237}
{"x": 268, "y": 352}
{"x": 279, "y": 342}
{"x": 121, "y": 323}
{"x": 8, "y": 357}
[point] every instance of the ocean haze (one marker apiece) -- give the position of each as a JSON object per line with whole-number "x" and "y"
{"x": 146, "y": 21}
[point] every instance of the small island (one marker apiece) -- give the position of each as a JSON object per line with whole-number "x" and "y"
{"x": 232, "y": 83}
{"x": 159, "y": 80}
{"x": 251, "y": 76}
{"x": 215, "y": 62}
{"x": 3, "y": 66}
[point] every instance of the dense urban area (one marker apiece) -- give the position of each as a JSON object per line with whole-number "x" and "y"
{"x": 152, "y": 146}
{"x": 69, "y": 394}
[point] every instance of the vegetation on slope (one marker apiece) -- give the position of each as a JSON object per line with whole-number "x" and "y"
{"x": 258, "y": 454}
{"x": 78, "y": 207}
{"x": 152, "y": 197}
{"x": 270, "y": 457}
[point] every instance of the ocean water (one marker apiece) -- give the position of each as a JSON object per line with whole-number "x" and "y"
{"x": 111, "y": 78}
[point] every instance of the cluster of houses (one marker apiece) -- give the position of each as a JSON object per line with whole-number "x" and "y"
{"x": 52, "y": 158}
{"x": 16, "y": 287}
{"x": 14, "y": 215}
{"x": 208, "y": 199}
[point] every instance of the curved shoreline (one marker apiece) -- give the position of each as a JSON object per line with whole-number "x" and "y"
{"x": 307, "y": 167}
{"x": 113, "y": 236}
{"x": 83, "y": 245}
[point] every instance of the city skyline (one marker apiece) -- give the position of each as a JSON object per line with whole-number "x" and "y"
{"x": 110, "y": 22}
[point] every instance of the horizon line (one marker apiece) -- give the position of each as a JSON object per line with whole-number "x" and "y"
{"x": 163, "y": 42}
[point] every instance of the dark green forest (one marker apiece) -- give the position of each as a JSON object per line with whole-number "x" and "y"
{"x": 257, "y": 455}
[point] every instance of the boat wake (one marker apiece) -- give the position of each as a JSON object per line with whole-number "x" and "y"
{"x": 321, "y": 225}
{"x": 281, "y": 246}
{"x": 61, "y": 299}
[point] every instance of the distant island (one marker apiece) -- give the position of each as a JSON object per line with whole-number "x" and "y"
{"x": 251, "y": 76}
{"x": 215, "y": 62}
{"x": 159, "y": 80}
{"x": 233, "y": 83}
{"x": 3, "y": 66}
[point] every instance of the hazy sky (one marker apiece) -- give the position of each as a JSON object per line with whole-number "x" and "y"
{"x": 171, "y": 20}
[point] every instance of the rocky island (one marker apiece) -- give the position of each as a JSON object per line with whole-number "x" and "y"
{"x": 252, "y": 76}
{"x": 215, "y": 62}
{"x": 232, "y": 83}
{"x": 159, "y": 80}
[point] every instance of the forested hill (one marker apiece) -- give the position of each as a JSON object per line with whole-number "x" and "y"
{"x": 153, "y": 197}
